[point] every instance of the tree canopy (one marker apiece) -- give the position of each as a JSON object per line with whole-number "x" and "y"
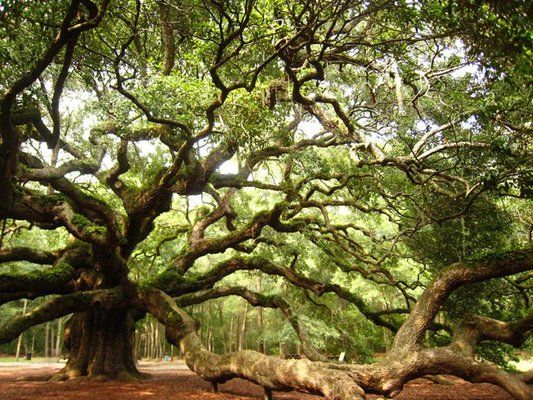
{"x": 363, "y": 167}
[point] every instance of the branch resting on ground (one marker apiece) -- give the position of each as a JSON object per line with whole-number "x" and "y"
{"x": 406, "y": 361}
{"x": 270, "y": 372}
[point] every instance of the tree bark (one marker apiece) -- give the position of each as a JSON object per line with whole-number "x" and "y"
{"x": 100, "y": 345}
{"x": 271, "y": 372}
{"x": 407, "y": 360}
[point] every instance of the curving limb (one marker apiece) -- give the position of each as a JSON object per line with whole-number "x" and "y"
{"x": 411, "y": 333}
{"x": 59, "y": 307}
{"x": 60, "y": 277}
{"x": 27, "y": 254}
{"x": 475, "y": 328}
{"x": 407, "y": 359}
{"x": 303, "y": 375}
{"x": 47, "y": 279}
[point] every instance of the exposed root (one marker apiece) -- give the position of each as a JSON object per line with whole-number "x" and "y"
{"x": 66, "y": 374}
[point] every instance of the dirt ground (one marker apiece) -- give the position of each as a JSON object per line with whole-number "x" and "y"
{"x": 175, "y": 382}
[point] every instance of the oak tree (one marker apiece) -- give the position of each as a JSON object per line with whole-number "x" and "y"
{"x": 317, "y": 142}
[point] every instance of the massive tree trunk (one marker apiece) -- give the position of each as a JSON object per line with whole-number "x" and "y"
{"x": 100, "y": 345}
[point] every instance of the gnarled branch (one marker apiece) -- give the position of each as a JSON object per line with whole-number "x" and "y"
{"x": 59, "y": 307}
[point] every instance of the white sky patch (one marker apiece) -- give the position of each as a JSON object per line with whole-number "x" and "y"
{"x": 458, "y": 49}
{"x": 310, "y": 128}
{"x": 471, "y": 69}
{"x": 196, "y": 201}
{"x": 469, "y": 123}
{"x": 420, "y": 125}
{"x": 146, "y": 148}
{"x": 72, "y": 101}
{"x": 89, "y": 122}
{"x": 107, "y": 162}
{"x": 204, "y": 148}
{"x": 229, "y": 167}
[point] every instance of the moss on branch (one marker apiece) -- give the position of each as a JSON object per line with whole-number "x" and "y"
{"x": 39, "y": 280}
{"x": 59, "y": 307}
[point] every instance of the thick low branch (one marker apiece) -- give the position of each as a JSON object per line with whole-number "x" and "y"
{"x": 60, "y": 278}
{"x": 36, "y": 281}
{"x": 59, "y": 307}
{"x": 474, "y": 329}
{"x": 27, "y": 254}
{"x": 412, "y": 331}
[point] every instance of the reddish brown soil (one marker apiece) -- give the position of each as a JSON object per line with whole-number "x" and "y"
{"x": 176, "y": 383}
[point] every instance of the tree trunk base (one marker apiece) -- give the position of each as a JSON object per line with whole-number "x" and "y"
{"x": 100, "y": 347}
{"x": 68, "y": 374}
